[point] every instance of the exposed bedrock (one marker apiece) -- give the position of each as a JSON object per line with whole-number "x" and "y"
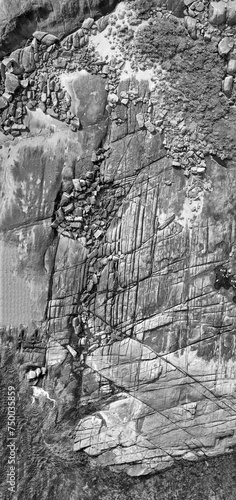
{"x": 176, "y": 366}
{"x": 117, "y": 218}
{"x": 19, "y": 20}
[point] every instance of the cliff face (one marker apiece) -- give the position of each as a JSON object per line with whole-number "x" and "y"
{"x": 18, "y": 20}
{"x": 118, "y": 222}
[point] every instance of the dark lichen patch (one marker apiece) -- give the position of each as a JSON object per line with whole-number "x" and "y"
{"x": 225, "y": 279}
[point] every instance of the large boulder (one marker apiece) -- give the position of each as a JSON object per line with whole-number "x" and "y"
{"x": 217, "y": 12}
{"x": 231, "y": 12}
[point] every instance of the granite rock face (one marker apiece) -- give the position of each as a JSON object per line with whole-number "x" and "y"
{"x": 118, "y": 220}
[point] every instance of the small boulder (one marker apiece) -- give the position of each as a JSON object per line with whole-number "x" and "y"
{"x": 75, "y": 122}
{"x": 11, "y": 83}
{"x": 68, "y": 208}
{"x": 177, "y": 6}
{"x": 217, "y": 13}
{"x": 187, "y": 3}
{"x": 227, "y": 85}
{"x": 39, "y": 35}
{"x": 3, "y": 104}
{"x": 71, "y": 350}
{"x": 65, "y": 199}
{"x": 199, "y": 7}
{"x": 88, "y": 23}
{"x": 112, "y": 99}
{"x": 140, "y": 119}
{"x": 150, "y": 127}
{"x": 52, "y": 113}
{"x": 76, "y": 184}
{"x": 231, "y": 68}
{"x": 27, "y": 60}
{"x": 38, "y": 371}
{"x": 225, "y": 46}
{"x": 31, "y": 375}
{"x": 50, "y": 40}
{"x": 24, "y": 83}
{"x": 45, "y": 38}
{"x": 190, "y": 24}
{"x": 12, "y": 64}
{"x": 7, "y": 97}
{"x": 231, "y": 12}
{"x": 102, "y": 23}
{"x": 75, "y": 41}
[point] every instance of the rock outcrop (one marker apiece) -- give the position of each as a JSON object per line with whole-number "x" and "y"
{"x": 18, "y": 20}
{"x": 117, "y": 220}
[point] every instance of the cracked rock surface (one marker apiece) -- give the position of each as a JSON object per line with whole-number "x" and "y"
{"x": 118, "y": 223}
